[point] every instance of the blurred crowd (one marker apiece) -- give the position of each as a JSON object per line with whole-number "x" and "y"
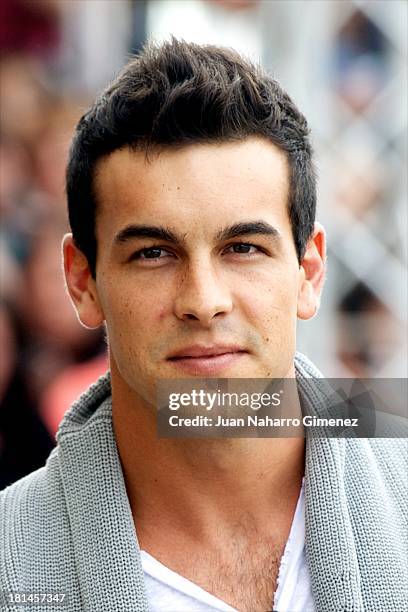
{"x": 55, "y": 54}
{"x": 47, "y": 358}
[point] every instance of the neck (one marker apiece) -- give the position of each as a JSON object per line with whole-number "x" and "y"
{"x": 196, "y": 484}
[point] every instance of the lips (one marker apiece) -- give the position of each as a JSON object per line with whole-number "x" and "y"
{"x": 200, "y": 360}
{"x": 199, "y": 351}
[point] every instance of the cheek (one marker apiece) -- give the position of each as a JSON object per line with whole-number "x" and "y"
{"x": 133, "y": 316}
{"x": 162, "y": 313}
{"x": 273, "y": 299}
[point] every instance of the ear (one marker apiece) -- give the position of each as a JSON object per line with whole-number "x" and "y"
{"x": 312, "y": 274}
{"x": 80, "y": 284}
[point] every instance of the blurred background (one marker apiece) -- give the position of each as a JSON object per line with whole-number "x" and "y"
{"x": 345, "y": 64}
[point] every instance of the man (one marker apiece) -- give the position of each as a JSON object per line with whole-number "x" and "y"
{"x": 191, "y": 196}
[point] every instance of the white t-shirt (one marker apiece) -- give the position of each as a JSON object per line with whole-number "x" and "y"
{"x": 167, "y": 591}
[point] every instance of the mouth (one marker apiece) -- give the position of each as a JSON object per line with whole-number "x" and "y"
{"x": 206, "y": 360}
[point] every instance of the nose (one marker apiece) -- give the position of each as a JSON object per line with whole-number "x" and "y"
{"x": 202, "y": 294}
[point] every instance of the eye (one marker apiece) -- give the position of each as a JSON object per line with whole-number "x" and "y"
{"x": 151, "y": 253}
{"x": 243, "y": 248}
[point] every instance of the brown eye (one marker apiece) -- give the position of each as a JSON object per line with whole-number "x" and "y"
{"x": 152, "y": 253}
{"x": 242, "y": 248}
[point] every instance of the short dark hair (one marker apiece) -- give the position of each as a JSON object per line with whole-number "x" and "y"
{"x": 180, "y": 93}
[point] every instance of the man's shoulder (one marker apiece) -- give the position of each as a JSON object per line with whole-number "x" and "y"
{"x": 376, "y": 475}
{"x": 25, "y": 494}
{"x": 33, "y": 524}
{"x": 386, "y": 456}
{"x": 32, "y": 498}
{"x": 34, "y": 509}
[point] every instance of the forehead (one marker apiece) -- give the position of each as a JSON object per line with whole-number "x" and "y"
{"x": 192, "y": 188}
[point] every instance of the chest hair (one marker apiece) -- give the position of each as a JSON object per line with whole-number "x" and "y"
{"x": 242, "y": 570}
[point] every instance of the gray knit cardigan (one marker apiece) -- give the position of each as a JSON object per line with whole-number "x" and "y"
{"x": 68, "y": 527}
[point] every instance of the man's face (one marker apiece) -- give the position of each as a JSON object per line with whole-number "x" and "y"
{"x": 197, "y": 273}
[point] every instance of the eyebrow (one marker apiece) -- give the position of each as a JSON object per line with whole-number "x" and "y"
{"x": 145, "y": 231}
{"x": 245, "y": 228}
